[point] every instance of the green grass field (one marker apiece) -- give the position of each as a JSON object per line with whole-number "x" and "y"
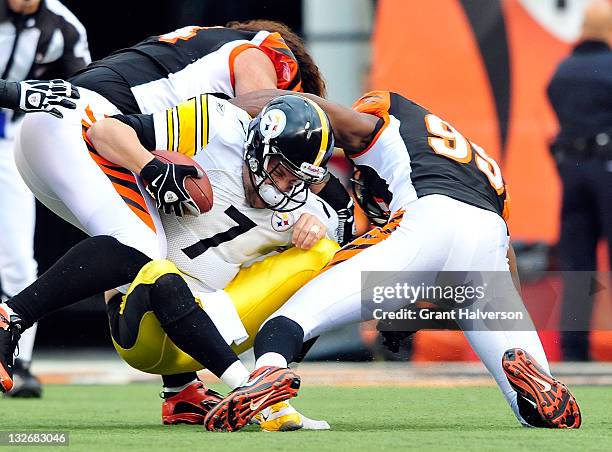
{"x": 128, "y": 418}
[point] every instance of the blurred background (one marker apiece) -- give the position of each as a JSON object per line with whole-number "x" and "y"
{"x": 483, "y": 65}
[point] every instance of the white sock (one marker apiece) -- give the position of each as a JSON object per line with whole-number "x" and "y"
{"x": 26, "y": 344}
{"x": 9, "y": 311}
{"x": 271, "y": 359}
{"x": 235, "y": 375}
{"x": 179, "y": 388}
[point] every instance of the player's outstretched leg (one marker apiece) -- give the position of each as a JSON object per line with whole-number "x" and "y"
{"x": 10, "y": 331}
{"x": 265, "y": 387}
{"x": 554, "y": 404}
{"x": 189, "y": 406}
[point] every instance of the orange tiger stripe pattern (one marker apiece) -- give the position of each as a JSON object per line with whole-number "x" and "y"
{"x": 368, "y": 239}
{"x": 122, "y": 179}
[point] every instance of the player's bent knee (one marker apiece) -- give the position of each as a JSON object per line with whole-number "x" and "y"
{"x": 144, "y": 309}
{"x": 152, "y": 271}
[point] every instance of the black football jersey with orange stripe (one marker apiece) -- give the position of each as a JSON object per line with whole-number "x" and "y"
{"x": 165, "y": 70}
{"x": 414, "y": 153}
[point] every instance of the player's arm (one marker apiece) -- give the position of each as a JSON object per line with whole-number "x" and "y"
{"x": 353, "y": 130}
{"x": 253, "y": 70}
{"x": 126, "y": 140}
{"x": 120, "y": 140}
{"x": 185, "y": 128}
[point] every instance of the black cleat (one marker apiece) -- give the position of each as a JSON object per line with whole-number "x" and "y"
{"x": 25, "y": 385}
{"x": 10, "y": 331}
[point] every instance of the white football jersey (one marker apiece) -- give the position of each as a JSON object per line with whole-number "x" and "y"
{"x": 210, "y": 249}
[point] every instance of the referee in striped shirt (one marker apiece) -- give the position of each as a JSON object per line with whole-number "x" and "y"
{"x": 38, "y": 39}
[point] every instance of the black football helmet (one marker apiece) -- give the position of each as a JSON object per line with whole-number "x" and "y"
{"x": 297, "y": 132}
{"x": 375, "y": 207}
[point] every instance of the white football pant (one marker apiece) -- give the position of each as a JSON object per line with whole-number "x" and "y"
{"x": 54, "y": 161}
{"x": 18, "y": 269}
{"x": 437, "y": 233}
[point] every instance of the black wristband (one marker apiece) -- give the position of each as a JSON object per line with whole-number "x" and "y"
{"x": 9, "y": 95}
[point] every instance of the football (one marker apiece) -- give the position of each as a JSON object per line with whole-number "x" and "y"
{"x": 199, "y": 189}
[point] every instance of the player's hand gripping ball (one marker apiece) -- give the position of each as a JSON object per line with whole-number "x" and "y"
{"x": 178, "y": 184}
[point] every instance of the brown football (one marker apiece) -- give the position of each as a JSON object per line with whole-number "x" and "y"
{"x": 199, "y": 189}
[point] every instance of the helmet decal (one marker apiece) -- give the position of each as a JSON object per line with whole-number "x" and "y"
{"x": 272, "y": 123}
{"x": 324, "y": 131}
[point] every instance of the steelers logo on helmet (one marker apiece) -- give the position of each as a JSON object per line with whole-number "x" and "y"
{"x": 294, "y": 133}
{"x": 272, "y": 123}
{"x": 282, "y": 221}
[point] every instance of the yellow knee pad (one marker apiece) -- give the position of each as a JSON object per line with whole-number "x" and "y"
{"x": 256, "y": 291}
{"x": 153, "y": 351}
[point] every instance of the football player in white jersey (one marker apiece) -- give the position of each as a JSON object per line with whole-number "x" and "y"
{"x": 203, "y": 343}
{"x": 157, "y": 73}
{"x": 128, "y": 236}
{"x": 209, "y": 250}
{"x": 447, "y": 203}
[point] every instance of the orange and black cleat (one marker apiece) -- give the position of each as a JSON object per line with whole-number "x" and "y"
{"x": 9, "y": 336}
{"x": 190, "y": 406}
{"x": 555, "y": 405}
{"x": 265, "y": 387}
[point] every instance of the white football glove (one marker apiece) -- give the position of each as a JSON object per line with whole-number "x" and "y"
{"x": 45, "y": 95}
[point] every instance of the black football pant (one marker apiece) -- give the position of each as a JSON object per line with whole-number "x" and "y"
{"x": 586, "y": 216}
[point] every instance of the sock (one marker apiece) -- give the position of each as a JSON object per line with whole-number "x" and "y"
{"x": 188, "y": 325}
{"x": 26, "y": 344}
{"x": 235, "y": 375}
{"x": 169, "y": 391}
{"x": 178, "y": 382}
{"x": 282, "y": 336}
{"x": 92, "y": 266}
{"x": 271, "y": 359}
{"x": 8, "y": 310}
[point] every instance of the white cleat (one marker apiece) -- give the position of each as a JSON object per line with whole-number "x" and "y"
{"x": 282, "y": 417}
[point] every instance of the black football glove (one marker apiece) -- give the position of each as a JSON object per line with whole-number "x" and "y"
{"x": 45, "y": 95}
{"x": 166, "y": 183}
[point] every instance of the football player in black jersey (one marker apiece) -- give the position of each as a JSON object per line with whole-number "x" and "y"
{"x": 447, "y": 206}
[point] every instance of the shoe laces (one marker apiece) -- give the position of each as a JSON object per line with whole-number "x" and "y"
{"x": 14, "y": 330}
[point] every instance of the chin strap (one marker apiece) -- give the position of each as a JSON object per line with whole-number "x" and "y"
{"x": 270, "y": 194}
